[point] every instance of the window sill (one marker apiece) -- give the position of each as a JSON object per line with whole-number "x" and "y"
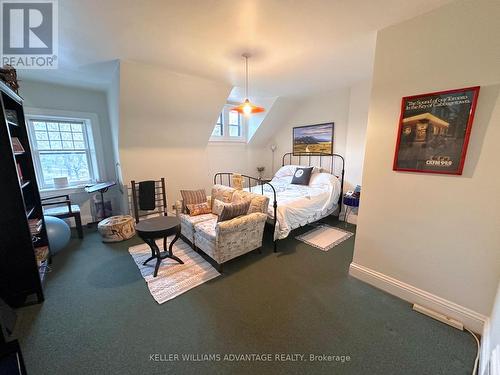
{"x": 66, "y": 190}
{"x": 227, "y": 140}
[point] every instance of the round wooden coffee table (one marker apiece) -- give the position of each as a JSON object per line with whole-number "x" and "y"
{"x": 159, "y": 227}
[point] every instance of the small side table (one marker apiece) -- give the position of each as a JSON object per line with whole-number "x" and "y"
{"x": 159, "y": 227}
{"x": 350, "y": 202}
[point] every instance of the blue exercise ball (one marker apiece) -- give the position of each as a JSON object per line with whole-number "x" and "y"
{"x": 58, "y": 233}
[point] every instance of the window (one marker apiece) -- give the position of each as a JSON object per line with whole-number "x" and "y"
{"x": 230, "y": 126}
{"x": 234, "y": 124}
{"x": 63, "y": 147}
{"x": 219, "y": 128}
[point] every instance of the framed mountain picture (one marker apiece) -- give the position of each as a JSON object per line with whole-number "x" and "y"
{"x": 313, "y": 139}
{"x": 434, "y": 131}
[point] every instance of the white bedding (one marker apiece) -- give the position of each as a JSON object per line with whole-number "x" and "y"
{"x": 299, "y": 205}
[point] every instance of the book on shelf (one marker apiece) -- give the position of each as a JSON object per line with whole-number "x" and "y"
{"x": 11, "y": 115}
{"x": 35, "y": 226}
{"x": 16, "y": 145}
{"x": 41, "y": 254}
{"x": 19, "y": 172}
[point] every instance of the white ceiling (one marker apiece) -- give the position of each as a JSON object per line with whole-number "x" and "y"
{"x": 298, "y": 46}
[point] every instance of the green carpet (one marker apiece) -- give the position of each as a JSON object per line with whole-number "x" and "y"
{"x": 99, "y": 318}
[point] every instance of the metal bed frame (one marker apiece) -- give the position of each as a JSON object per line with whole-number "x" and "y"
{"x": 310, "y": 157}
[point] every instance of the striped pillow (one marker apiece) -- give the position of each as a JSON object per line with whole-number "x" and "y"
{"x": 192, "y": 197}
{"x": 232, "y": 210}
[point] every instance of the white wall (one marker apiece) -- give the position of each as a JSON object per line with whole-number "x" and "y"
{"x": 166, "y": 120}
{"x": 255, "y": 121}
{"x": 332, "y": 106}
{"x": 491, "y": 337}
{"x": 356, "y": 132}
{"x": 64, "y": 98}
{"x": 356, "y": 138}
{"x": 346, "y": 107}
{"x": 113, "y": 101}
{"x": 436, "y": 233}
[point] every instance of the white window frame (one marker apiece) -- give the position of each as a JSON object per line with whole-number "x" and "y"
{"x": 225, "y": 127}
{"x": 221, "y": 125}
{"x": 93, "y": 138}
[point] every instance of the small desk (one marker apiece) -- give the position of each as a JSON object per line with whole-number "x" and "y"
{"x": 159, "y": 227}
{"x": 100, "y": 187}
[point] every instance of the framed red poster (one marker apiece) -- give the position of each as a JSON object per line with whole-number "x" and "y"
{"x": 434, "y": 131}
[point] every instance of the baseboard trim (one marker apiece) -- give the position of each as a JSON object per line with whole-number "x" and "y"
{"x": 470, "y": 319}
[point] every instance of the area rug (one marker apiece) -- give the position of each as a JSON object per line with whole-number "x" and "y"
{"x": 173, "y": 278}
{"x": 324, "y": 237}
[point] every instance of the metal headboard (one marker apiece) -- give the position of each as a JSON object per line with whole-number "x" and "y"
{"x": 252, "y": 182}
{"x": 335, "y": 161}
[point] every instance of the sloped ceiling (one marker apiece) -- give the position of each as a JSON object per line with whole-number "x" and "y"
{"x": 160, "y": 108}
{"x": 298, "y": 47}
{"x": 278, "y": 116}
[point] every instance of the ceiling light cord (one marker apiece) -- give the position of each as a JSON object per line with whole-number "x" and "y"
{"x": 246, "y": 108}
{"x": 246, "y": 82}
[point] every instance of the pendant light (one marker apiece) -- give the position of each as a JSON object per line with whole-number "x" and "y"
{"x": 247, "y": 108}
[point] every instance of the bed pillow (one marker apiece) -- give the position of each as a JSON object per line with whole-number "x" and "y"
{"x": 289, "y": 170}
{"x": 302, "y": 176}
{"x": 282, "y": 180}
{"x": 321, "y": 179}
{"x": 192, "y": 197}
{"x": 286, "y": 170}
{"x": 259, "y": 203}
{"x": 232, "y": 210}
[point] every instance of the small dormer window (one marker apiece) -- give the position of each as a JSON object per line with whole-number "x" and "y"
{"x": 230, "y": 126}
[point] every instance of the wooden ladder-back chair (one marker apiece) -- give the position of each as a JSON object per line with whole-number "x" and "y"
{"x": 160, "y": 199}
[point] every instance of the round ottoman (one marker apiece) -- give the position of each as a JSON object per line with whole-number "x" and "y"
{"x": 117, "y": 228}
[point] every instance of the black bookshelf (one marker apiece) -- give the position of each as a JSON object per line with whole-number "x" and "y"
{"x": 24, "y": 252}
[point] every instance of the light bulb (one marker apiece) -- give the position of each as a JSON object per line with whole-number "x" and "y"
{"x": 247, "y": 109}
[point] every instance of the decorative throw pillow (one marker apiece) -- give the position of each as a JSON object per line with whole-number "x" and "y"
{"x": 198, "y": 209}
{"x": 222, "y": 193}
{"x": 232, "y": 210}
{"x": 237, "y": 181}
{"x": 259, "y": 203}
{"x": 241, "y": 196}
{"x": 192, "y": 197}
{"x": 302, "y": 176}
{"x": 217, "y": 207}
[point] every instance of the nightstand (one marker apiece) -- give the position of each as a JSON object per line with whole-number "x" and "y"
{"x": 350, "y": 202}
